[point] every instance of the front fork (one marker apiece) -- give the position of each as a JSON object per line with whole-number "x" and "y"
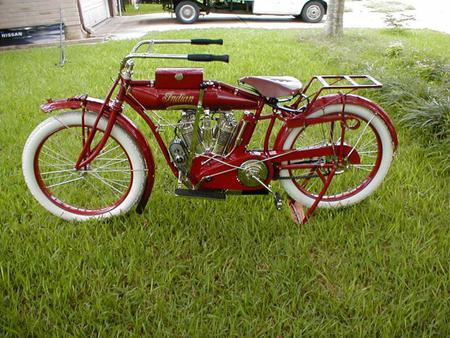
{"x": 87, "y": 154}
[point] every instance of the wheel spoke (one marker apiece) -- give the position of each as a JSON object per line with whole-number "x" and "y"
{"x": 313, "y": 184}
{"x": 119, "y": 181}
{"x": 116, "y": 191}
{"x": 116, "y": 183}
{"x": 363, "y": 167}
{"x": 66, "y": 182}
{"x": 360, "y": 137}
{"x": 57, "y": 153}
{"x": 57, "y": 171}
{"x": 63, "y": 176}
{"x": 57, "y": 157}
{"x": 100, "y": 194}
{"x": 111, "y": 163}
{"x": 60, "y": 151}
{"x": 47, "y": 164}
{"x": 108, "y": 151}
{"x": 120, "y": 170}
{"x": 107, "y": 145}
{"x": 324, "y": 138}
{"x": 369, "y": 147}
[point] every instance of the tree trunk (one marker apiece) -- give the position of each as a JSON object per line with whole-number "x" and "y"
{"x": 334, "y": 26}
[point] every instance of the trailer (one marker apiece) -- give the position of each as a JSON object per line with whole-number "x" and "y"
{"x": 188, "y": 11}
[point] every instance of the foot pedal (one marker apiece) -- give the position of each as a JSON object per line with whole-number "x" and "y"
{"x": 278, "y": 201}
{"x": 212, "y": 194}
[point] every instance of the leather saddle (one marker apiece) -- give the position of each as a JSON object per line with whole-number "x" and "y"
{"x": 273, "y": 86}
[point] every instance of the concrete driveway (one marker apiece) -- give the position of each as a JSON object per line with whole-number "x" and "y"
{"x": 431, "y": 14}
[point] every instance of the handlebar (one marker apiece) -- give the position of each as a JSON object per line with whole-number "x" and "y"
{"x": 206, "y": 42}
{"x": 191, "y": 57}
{"x": 208, "y": 57}
{"x": 150, "y": 43}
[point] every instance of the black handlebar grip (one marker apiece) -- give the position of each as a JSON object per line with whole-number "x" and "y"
{"x": 208, "y": 57}
{"x": 206, "y": 42}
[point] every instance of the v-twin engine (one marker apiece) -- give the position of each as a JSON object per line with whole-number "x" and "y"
{"x": 216, "y": 134}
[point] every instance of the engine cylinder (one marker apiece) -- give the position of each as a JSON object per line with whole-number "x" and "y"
{"x": 186, "y": 127}
{"x": 225, "y": 131}
{"x": 215, "y": 134}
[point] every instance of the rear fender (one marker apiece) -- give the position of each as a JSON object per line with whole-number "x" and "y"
{"x": 95, "y": 105}
{"x": 299, "y": 120}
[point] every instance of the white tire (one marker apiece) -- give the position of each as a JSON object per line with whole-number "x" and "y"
{"x": 111, "y": 184}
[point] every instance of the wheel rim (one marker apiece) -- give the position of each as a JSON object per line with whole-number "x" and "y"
{"x": 350, "y": 179}
{"x": 187, "y": 12}
{"x": 313, "y": 12}
{"x": 98, "y": 189}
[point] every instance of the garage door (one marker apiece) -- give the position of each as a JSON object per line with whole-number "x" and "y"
{"x": 94, "y": 11}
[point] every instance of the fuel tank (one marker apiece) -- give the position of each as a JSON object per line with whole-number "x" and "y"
{"x": 157, "y": 96}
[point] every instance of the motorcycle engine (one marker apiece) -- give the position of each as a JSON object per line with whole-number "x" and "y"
{"x": 216, "y": 134}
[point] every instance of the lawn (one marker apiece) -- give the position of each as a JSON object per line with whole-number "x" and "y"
{"x": 142, "y": 9}
{"x": 239, "y": 267}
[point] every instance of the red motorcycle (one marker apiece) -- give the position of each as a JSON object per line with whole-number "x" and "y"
{"x": 91, "y": 161}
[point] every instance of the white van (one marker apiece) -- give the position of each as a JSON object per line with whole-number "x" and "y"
{"x": 188, "y": 11}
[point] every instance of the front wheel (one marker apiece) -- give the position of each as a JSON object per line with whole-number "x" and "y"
{"x": 110, "y": 185}
{"x": 366, "y": 134}
{"x": 187, "y": 12}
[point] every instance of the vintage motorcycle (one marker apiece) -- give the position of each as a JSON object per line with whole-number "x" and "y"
{"x": 91, "y": 161}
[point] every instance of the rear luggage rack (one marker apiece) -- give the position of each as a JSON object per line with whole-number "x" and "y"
{"x": 344, "y": 82}
{"x": 347, "y": 83}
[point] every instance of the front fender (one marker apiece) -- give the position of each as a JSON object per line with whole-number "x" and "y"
{"x": 95, "y": 105}
{"x": 299, "y": 120}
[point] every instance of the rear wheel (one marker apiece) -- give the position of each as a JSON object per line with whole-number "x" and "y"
{"x": 365, "y": 133}
{"x": 313, "y": 12}
{"x": 187, "y": 12}
{"x": 110, "y": 185}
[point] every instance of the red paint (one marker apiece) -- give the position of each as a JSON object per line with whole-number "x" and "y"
{"x": 227, "y": 180}
{"x": 217, "y": 96}
{"x": 178, "y": 78}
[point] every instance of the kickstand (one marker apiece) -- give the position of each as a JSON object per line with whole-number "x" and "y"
{"x": 297, "y": 209}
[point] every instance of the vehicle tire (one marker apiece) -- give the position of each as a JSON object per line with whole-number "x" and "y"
{"x": 312, "y": 12}
{"x": 111, "y": 184}
{"x": 187, "y": 12}
{"x": 370, "y": 137}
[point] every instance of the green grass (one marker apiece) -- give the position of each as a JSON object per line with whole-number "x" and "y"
{"x": 233, "y": 268}
{"x": 142, "y": 9}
